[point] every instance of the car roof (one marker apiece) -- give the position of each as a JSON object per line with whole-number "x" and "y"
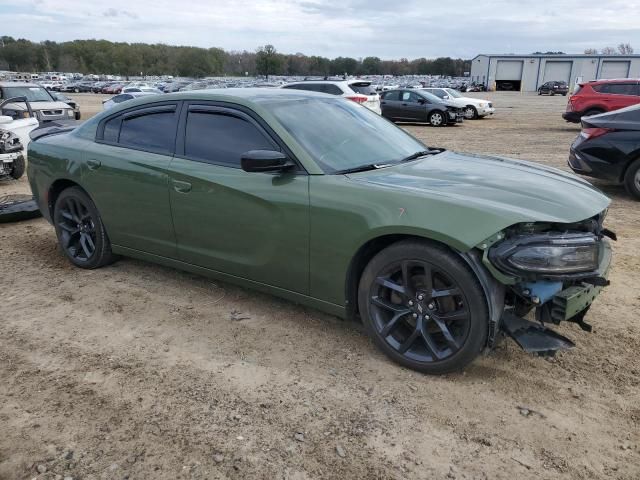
{"x": 612, "y": 80}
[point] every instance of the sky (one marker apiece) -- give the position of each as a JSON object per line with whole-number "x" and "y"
{"x": 355, "y": 28}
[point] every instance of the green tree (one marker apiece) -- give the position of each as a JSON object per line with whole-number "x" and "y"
{"x": 268, "y": 61}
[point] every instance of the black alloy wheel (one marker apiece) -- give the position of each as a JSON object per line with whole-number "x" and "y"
{"x": 80, "y": 231}
{"x": 424, "y": 307}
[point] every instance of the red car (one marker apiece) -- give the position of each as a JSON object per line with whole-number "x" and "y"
{"x": 601, "y": 96}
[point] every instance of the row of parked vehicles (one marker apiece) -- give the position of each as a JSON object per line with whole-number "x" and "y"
{"x": 608, "y": 146}
{"x": 438, "y": 107}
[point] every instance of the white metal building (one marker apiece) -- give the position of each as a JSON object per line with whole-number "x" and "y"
{"x": 527, "y": 72}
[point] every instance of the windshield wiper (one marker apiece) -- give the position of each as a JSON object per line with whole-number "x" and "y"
{"x": 363, "y": 168}
{"x": 422, "y": 153}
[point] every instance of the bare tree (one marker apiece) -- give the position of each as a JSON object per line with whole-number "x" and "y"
{"x": 625, "y": 49}
{"x": 608, "y": 51}
{"x": 590, "y": 51}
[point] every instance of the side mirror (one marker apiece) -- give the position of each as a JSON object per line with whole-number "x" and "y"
{"x": 264, "y": 161}
{"x": 421, "y": 101}
{"x": 4, "y": 119}
{"x": 446, "y": 97}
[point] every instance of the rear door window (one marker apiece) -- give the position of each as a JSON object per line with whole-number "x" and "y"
{"x": 331, "y": 89}
{"x": 218, "y": 137}
{"x": 151, "y": 129}
{"x": 617, "y": 88}
{"x": 393, "y": 96}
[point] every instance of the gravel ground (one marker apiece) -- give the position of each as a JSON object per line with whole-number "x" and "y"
{"x": 139, "y": 371}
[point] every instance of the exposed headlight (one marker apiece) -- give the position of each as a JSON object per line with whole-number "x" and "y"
{"x": 69, "y": 113}
{"x": 482, "y": 104}
{"x": 551, "y": 254}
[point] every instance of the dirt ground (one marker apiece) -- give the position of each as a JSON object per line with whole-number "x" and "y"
{"x": 139, "y": 371}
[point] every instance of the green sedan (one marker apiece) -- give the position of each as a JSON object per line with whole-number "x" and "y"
{"x": 318, "y": 200}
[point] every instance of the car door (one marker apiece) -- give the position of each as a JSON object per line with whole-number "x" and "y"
{"x": 413, "y": 106}
{"x": 249, "y": 225}
{"x": 125, "y": 173}
{"x": 390, "y": 104}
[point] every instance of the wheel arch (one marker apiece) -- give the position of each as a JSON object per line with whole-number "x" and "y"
{"x": 630, "y": 163}
{"x": 56, "y": 188}
{"x": 493, "y": 290}
{"x": 363, "y": 256}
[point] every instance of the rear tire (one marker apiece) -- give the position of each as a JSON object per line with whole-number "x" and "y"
{"x": 80, "y": 231}
{"x": 437, "y": 119}
{"x": 18, "y": 168}
{"x": 423, "y": 307}
{"x": 632, "y": 179}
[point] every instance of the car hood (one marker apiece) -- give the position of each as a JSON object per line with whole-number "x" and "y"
{"x": 39, "y": 106}
{"x": 517, "y": 191}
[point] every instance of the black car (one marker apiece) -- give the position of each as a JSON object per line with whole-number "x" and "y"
{"x": 553, "y": 88}
{"x": 418, "y": 106}
{"x": 608, "y": 147}
{"x": 76, "y": 87}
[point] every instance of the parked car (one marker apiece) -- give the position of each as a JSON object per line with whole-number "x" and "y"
{"x": 437, "y": 252}
{"x": 360, "y": 91}
{"x": 45, "y": 107}
{"x": 601, "y": 96}
{"x": 419, "y": 106}
{"x": 553, "y": 88}
{"x": 140, "y": 89}
{"x": 98, "y": 86}
{"x": 69, "y": 101}
{"x": 76, "y": 87}
{"x": 113, "y": 88}
{"x": 123, "y": 97}
{"x": 608, "y": 147}
{"x": 472, "y": 107}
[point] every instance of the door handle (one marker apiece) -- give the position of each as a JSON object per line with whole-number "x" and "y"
{"x": 404, "y": 104}
{"x": 181, "y": 187}
{"x": 93, "y": 164}
{"x": 383, "y": 103}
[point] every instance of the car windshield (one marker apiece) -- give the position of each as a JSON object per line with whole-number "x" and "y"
{"x": 453, "y": 93}
{"x": 33, "y": 94}
{"x": 341, "y": 135}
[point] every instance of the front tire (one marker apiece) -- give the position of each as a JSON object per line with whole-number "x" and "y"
{"x": 423, "y": 307}
{"x": 80, "y": 231}
{"x": 632, "y": 179}
{"x": 437, "y": 119}
{"x": 470, "y": 112}
{"x": 17, "y": 170}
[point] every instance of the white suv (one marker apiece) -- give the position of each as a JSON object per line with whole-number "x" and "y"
{"x": 472, "y": 107}
{"x": 360, "y": 91}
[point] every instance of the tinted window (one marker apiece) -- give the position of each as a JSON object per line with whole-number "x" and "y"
{"x": 152, "y": 131}
{"x": 222, "y": 139}
{"x": 363, "y": 88}
{"x": 623, "y": 88}
{"x": 111, "y": 130}
{"x": 438, "y": 93}
{"x": 331, "y": 89}
{"x": 393, "y": 96}
{"x": 121, "y": 98}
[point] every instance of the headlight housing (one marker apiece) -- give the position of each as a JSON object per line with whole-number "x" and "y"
{"x": 547, "y": 254}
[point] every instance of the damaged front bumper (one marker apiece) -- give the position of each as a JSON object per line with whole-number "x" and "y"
{"x": 554, "y": 300}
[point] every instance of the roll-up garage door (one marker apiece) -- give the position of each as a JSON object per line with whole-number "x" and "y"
{"x": 557, "y": 71}
{"x": 614, "y": 69}
{"x": 509, "y": 70}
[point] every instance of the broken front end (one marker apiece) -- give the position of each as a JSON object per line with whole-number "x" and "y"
{"x": 551, "y": 273}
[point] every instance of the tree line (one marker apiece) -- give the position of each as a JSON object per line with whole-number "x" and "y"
{"x": 129, "y": 59}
